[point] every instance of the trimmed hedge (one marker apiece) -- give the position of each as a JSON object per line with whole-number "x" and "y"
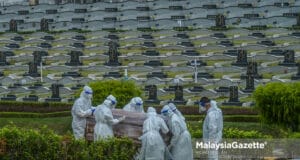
{"x": 34, "y": 115}
{"x": 23, "y": 144}
{"x": 226, "y": 118}
{"x": 39, "y": 107}
{"x": 44, "y": 107}
{"x": 226, "y": 110}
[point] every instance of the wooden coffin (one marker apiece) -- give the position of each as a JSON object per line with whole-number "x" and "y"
{"x": 131, "y": 127}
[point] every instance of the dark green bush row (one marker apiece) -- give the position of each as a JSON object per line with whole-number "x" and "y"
{"x": 40, "y": 107}
{"x": 226, "y": 110}
{"x": 279, "y": 103}
{"x": 227, "y": 118}
{"x": 33, "y": 115}
{"x": 43, "y": 144}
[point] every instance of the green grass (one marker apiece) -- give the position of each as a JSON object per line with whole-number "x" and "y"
{"x": 61, "y": 125}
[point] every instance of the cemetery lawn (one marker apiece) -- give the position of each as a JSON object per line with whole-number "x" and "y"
{"x": 62, "y": 125}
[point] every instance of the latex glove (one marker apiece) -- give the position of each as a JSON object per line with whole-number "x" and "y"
{"x": 169, "y": 147}
{"x": 93, "y": 110}
{"x": 122, "y": 118}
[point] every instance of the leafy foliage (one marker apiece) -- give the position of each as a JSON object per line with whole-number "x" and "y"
{"x": 31, "y": 144}
{"x": 122, "y": 90}
{"x": 279, "y": 103}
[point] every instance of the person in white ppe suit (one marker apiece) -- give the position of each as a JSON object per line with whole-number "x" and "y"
{"x": 176, "y": 111}
{"x": 81, "y": 109}
{"x": 153, "y": 146}
{"x": 104, "y": 119}
{"x": 135, "y": 105}
{"x": 181, "y": 144}
{"x": 212, "y": 126}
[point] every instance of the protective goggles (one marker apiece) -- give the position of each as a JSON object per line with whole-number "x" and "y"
{"x": 88, "y": 92}
{"x": 164, "y": 112}
{"x": 202, "y": 104}
{"x": 139, "y": 104}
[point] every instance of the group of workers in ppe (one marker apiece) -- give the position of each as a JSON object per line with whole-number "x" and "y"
{"x": 153, "y": 146}
{"x": 83, "y": 108}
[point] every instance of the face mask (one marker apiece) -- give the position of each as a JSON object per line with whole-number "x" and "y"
{"x": 202, "y": 109}
{"x": 90, "y": 96}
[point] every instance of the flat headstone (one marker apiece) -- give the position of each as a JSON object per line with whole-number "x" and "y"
{"x": 45, "y": 45}
{"x": 71, "y": 74}
{"x": 13, "y": 46}
{"x": 153, "y": 63}
{"x": 77, "y": 87}
{"x": 151, "y": 53}
{"x": 296, "y": 34}
{"x": 222, "y": 89}
{"x": 186, "y": 44}
{"x": 196, "y": 89}
{"x": 190, "y": 53}
{"x": 149, "y": 44}
{"x": 233, "y": 52}
{"x": 267, "y": 43}
{"x": 198, "y": 63}
{"x": 9, "y": 97}
{"x": 112, "y": 37}
{"x": 219, "y": 35}
{"x": 17, "y": 38}
{"x": 225, "y": 43}
{"x": 157, "y": 74}
{"x": 113, "y": 74}
{"x": 79, "y": 37}
{"x": 277, "y": 52}
{"x": 146, "y": 36}
{"x": 48, "y": 38}
{"x": 78, "y": 45}
{"x": 8, "y": 53}
{"x": 258, "y": 35}
{"x": 182, "y": 35}
{"x": 31, "y": 98}
{"x": 204, "y": 75}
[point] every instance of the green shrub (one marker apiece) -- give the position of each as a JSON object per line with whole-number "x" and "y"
{"x": 279, "y": 103}
{"x": 24, "y": 144}
{"x": 237, "y": 133}
{"x": 230, "y": 133}
{"x": 122, "y": 90}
